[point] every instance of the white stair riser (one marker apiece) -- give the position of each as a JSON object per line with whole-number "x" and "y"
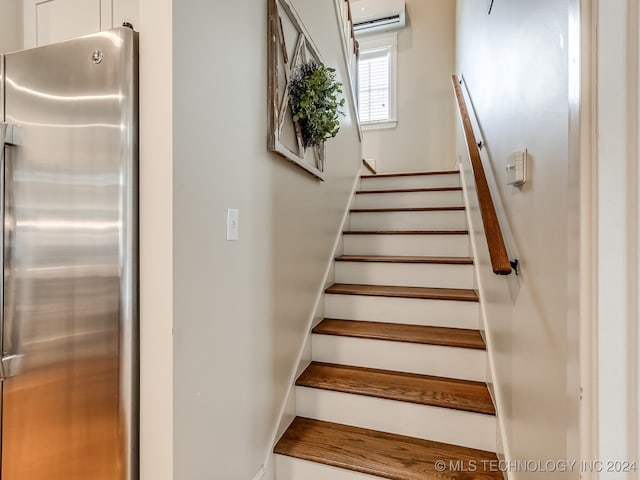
{"x": 411, "y": 245}
{"x": 289, "y": 468}
{"x": 409, "y": 200}
{"x": 413, "y": 181}
{"x": 440, "y": 361}
{"x": 438, "y": 220}
{"x": 438, "y": 313}
{"x": 473, "y": 430}
{"x": 405, "y": 274}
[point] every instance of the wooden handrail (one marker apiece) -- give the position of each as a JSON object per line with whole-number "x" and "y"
{"x": 497, "y": 249}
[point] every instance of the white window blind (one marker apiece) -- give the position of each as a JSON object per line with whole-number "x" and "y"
{"x": 374, "y": 75}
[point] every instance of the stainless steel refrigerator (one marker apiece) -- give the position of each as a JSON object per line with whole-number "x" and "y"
{"x": 69, "y": 316}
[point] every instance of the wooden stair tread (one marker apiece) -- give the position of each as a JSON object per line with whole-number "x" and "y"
{"x": 381, "y": 454}
{"x": 405, "y": 259}
{"x": 412, "y": 174}
{"x": 409, "y": 209}
{"x": 400, "y": 386}
{"x": 412, "y": 190}
{"x": 425, "y": 335}
{"x": 406, "y": 232}
{"x": 426, "y": 293}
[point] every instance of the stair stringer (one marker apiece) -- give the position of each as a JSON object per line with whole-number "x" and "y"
{"x": 287, "y": 410}
{"x": 477, "y": 241}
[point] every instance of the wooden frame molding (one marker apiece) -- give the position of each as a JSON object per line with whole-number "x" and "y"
{"x": 286, "y": 30}
{"x": 497, "y": 249}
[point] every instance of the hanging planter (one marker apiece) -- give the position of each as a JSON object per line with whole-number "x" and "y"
{"x": 315, "y": 103}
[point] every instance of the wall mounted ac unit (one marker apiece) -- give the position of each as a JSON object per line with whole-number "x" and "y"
{"x": 370, "y": 16}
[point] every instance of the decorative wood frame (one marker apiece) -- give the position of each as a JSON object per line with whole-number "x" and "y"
{"x": 283, "y": 63}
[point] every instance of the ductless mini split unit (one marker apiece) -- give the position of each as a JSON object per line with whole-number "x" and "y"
{"x": 371, "y": 16}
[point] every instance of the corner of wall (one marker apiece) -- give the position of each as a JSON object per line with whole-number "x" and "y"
{"x": 156, "y": 241}
{"x": 288, "y": 407}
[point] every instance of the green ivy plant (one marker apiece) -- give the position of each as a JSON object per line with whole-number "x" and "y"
{"x": 315, "y": 102}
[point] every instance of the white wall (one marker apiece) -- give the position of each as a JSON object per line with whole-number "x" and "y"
{"x": 617, "y": 238}
{"x": 241, "y": 308}
{"x": 156, "y": 241}
{"x": 126, "y": 11}
{"x": 424, "y": 136}
{"x": 62, "y": 20}
{"x": 516, "y": 64}
{"x": 10, "y": 25}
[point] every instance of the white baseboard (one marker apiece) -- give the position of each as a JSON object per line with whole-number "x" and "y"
{"x": 260, "y": 475}
{"x": 501, "y": 436}
{"x": 287, "y": 409}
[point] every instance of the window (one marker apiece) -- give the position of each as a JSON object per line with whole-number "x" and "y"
{"x": 377, "y": 82}
{"x": 373, "y": 72}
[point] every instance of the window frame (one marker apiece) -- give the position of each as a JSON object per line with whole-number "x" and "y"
{"x": 387, "y": 41}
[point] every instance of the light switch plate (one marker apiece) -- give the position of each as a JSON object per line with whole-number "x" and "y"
{"x": 233, "y": 224}
{"x": 517, "y": 168}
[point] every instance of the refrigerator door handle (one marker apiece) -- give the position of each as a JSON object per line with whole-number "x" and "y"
{"x": 9, "y": 364}
{"x": 9, "y": 134}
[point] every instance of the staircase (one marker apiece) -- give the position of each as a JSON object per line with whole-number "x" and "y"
{"x": 397, "y": 388}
